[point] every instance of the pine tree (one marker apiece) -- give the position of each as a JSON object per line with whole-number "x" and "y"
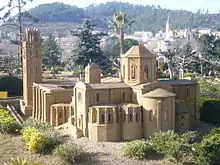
{"x": 87, "y": 48}
{"x": 52, "y": 52}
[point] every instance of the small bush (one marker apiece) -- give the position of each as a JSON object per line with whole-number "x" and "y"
{"x": 69, "y": 152}
{"x": 7, "y": 122}
{"x": 175, "y": 146}
{"x": 138, "y": 149}
{"x": 41, "y": 126}
{"x": 51, "y": 135}
{"x": 11, "y": 84}
{"x": 208, "y": 151}
{"x": 34, "y": 139}
{"x": 19, "y": 161}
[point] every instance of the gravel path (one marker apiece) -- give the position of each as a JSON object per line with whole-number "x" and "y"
{"x": 110, "y": 153}
{"x": 106, "y": 153}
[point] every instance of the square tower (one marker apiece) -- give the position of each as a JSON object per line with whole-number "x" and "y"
{"x": 32, "y": 63}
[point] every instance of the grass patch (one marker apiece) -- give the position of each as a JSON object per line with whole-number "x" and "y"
{"x": 13, "y": 147}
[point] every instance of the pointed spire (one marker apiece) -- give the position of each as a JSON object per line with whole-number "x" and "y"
{"x": 168, "y": 19}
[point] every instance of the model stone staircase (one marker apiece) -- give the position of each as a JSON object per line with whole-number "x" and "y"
{"x": 15, "y": 114}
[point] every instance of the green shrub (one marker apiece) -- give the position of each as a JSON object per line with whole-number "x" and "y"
{"x": 69, "y": 152}
{"x": 41, "y": 126}
{"x": 208, "y": 151}
{"x": 209, "y": 89}
{"x": 19, "y": 161}
{"x": 7, "y": 122}
{"x": 188, "y": 74}
{"x": 210, "y": 110}
{"x": 34, "y": 139}
{"x": 50, "y": 134}
{"x": 11, "y": 84}
{"x": 138, "y": 149}
{"x": 175, "y": 146}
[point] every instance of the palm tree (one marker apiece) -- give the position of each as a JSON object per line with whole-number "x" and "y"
{"x": 119, "y": 23}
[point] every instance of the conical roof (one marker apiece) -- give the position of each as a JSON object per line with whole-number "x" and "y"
{"x": 138, "y": 51}
{"x": 159, "y": 92}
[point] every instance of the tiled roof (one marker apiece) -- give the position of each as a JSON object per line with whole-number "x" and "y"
{"x": 108, "y": 85}
{"x": 159, "y": 92}
{"x": 56, "y": 85}
{"x": 139, "y": 51}
{"x": 178, "y": 82}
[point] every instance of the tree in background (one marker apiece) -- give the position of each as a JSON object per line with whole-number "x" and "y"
{"x": 112, "y": 49}
{"x": 17, "y": 20}
{"x": 205, "y": 48}
{"x": 185, "y": 59}
{"x": 87, "y": 48}
{"x": 119, "y": 23}
{"x": 52, "y": 52}
{"x": 9, "y": 64}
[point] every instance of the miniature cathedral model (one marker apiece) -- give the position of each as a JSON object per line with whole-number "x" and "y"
{"x": 108, "y": 109}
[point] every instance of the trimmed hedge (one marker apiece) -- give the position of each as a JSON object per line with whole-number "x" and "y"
{"x": 11, "y": 84}
{"x": 210, "y": 110}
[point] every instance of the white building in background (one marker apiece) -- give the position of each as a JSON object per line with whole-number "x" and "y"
{"x": 204, "y": 31}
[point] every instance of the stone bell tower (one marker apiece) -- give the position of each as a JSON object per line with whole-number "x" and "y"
{"x": 32, "y": 66}
{"x": 138, "y": 66}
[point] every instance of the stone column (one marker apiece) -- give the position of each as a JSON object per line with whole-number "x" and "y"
{"x": 98, "y": 117}
{"x": 64, "y": 113}
{"x": 159, "y": 126}
{"x": 42, "y": 106}
{"x": 114, "y": 115}
{"x": 34, "y": 102}
{"x": 40, "y": 103}
{"x": 37, "y": 103}
{"x": 106, "y": 116}
{"x": 52, "y": 116}
{"x": 49, "y": 99}
{"x": 57, "y": 116}
{"x": 68, "y": 112}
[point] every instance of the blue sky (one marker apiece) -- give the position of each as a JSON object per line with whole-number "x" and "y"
{"x": 212, "y": 5}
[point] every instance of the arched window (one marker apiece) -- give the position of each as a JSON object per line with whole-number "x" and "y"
{"x": 187, "y": 91}
{"x": 133, "y": 71}
{"x": 151, "y": 115}
{"x": 165, "y": 116}
{"x": 145, "y": 72}
{"x": 110, "y": 118}
{"x": 94, "y": 116}
{"x": 117, "y": 116}
{"x": 102, "y": 121}
{"x": 123, "y": 96}
{"x": 97, "y": 97}
{"x": 124, "y": 116}
{"x": 137, "y": 117}
{"x": 130, "y": 119}
{"x": 80, "y": 97}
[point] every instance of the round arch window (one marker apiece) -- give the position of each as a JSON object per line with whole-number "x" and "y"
{"x": 80, "y": 97}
